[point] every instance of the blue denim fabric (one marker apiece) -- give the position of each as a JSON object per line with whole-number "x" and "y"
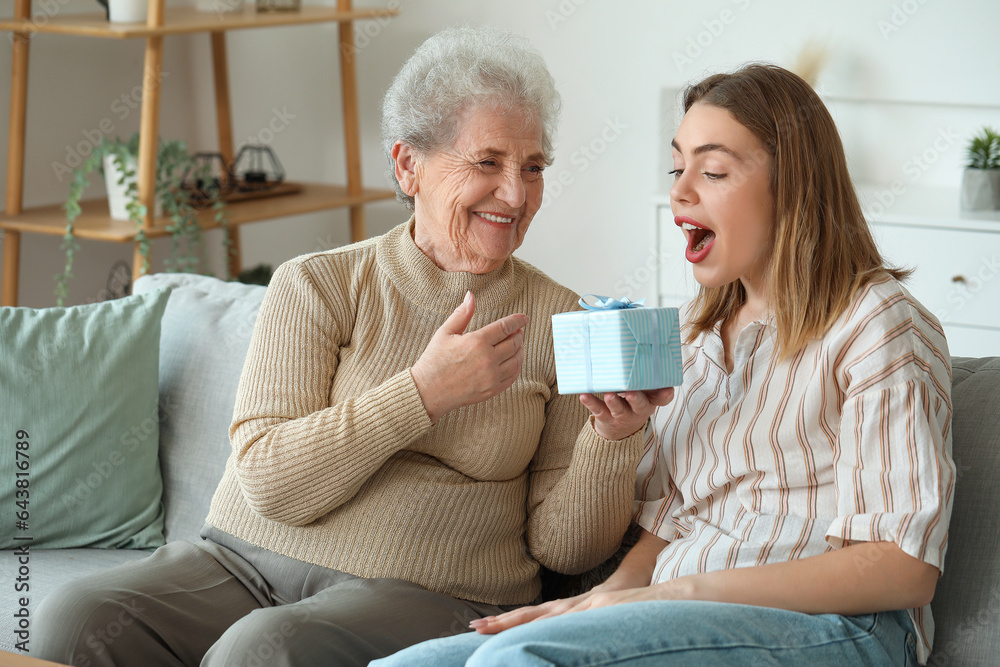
{"x": 709, "y": 634}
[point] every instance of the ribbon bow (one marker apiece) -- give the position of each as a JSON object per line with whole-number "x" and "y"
{"x": 607, "y": 303}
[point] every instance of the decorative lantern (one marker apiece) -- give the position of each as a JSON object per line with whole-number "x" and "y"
{"x": 208, "y": 179}
{"x": 278, "y": 5}
{"x": 256, "y": 167}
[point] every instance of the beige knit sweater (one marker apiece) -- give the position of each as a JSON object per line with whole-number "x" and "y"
{"x": 335, "y": 461}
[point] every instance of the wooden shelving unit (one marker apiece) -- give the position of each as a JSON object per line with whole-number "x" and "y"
{"x": 187, "y": 20}
{"x": 95, "y": 223}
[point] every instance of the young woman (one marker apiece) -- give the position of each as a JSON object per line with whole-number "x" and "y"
{"x": 795, "y": 495}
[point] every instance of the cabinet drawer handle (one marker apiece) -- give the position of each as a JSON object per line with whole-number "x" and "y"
{"x": 959, "y": 279}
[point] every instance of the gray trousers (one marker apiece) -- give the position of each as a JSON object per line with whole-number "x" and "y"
{"x": 235, "y": 604}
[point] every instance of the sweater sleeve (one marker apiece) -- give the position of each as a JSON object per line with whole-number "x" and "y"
{"x": 580, "y": 489}
{"x": 297, "y": 457}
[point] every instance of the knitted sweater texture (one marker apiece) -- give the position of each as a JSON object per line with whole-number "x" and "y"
{"x": 335, "y": 461}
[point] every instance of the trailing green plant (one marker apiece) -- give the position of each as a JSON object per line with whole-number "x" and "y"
{"x": 984, "y": 150}
{"x": 173, "y": 164}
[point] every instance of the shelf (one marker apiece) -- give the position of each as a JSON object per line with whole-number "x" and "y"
{"x": 94, "y": 222}
{"x": 924, "y": 207}
{"x": 183, "y": 20}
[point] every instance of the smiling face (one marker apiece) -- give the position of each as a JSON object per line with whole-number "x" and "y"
{"x": 721, "y": 198}
{"x": 475, "y": 199}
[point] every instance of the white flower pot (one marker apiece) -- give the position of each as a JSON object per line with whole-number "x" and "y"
{"x": 981, "y": 190}
{"x": 118, "y": 192}
{"x": 128, "y": 11}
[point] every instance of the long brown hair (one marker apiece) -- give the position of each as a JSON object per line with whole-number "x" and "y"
{"x": 823, "y": 251}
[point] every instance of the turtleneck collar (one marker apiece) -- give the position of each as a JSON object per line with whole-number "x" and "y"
{"x": 424, "y": 284}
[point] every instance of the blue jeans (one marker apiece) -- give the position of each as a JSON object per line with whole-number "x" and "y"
{"x": 651, "y": 634}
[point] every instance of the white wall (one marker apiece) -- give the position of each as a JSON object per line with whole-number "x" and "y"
{"x": 899, "y": 76}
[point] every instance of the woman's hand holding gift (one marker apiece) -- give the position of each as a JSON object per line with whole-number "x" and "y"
{"x": 619, "y": 415}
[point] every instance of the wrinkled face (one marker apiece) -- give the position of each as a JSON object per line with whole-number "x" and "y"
{"x": 721, "y": 198}
{"x": 475, "y": 200}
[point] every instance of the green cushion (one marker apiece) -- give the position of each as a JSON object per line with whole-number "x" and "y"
{"x": 79, "y": 387}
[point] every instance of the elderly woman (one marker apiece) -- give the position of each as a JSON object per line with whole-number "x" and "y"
{"x": 401, "y": 466}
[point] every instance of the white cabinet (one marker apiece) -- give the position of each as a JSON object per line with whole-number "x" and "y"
{"x": 955, "y": 257}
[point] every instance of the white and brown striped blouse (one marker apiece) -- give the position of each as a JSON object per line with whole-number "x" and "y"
{"x": 848, "y": 440}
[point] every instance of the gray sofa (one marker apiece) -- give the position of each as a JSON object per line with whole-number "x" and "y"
{"x": 205, "y": 335}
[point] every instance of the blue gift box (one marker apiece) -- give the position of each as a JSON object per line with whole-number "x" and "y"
{"x": 617, "y": 346}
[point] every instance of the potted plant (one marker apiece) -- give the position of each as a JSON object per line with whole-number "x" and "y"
{"x": 175, "y": 198}
{"x": 981, "y": 179}
{"x": 126, "y": 11}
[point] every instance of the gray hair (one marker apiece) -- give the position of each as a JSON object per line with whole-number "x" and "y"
{"x": 458, "y": 68}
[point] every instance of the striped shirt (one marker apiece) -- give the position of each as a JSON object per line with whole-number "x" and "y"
{"x": 848, "y": 440}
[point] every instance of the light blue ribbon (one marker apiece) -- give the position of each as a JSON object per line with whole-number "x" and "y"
{"x": 602, "y": 303}
{"x": 607, "y": 303}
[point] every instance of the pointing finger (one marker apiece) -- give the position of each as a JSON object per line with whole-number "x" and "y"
{"x": 510, "y": 346}
{"x": 496, "y": 332}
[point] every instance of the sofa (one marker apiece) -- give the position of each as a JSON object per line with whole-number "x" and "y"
{"x": 205, "y": 334}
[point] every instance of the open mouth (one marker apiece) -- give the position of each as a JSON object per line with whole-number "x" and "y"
{"x": 698, "y": 237}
